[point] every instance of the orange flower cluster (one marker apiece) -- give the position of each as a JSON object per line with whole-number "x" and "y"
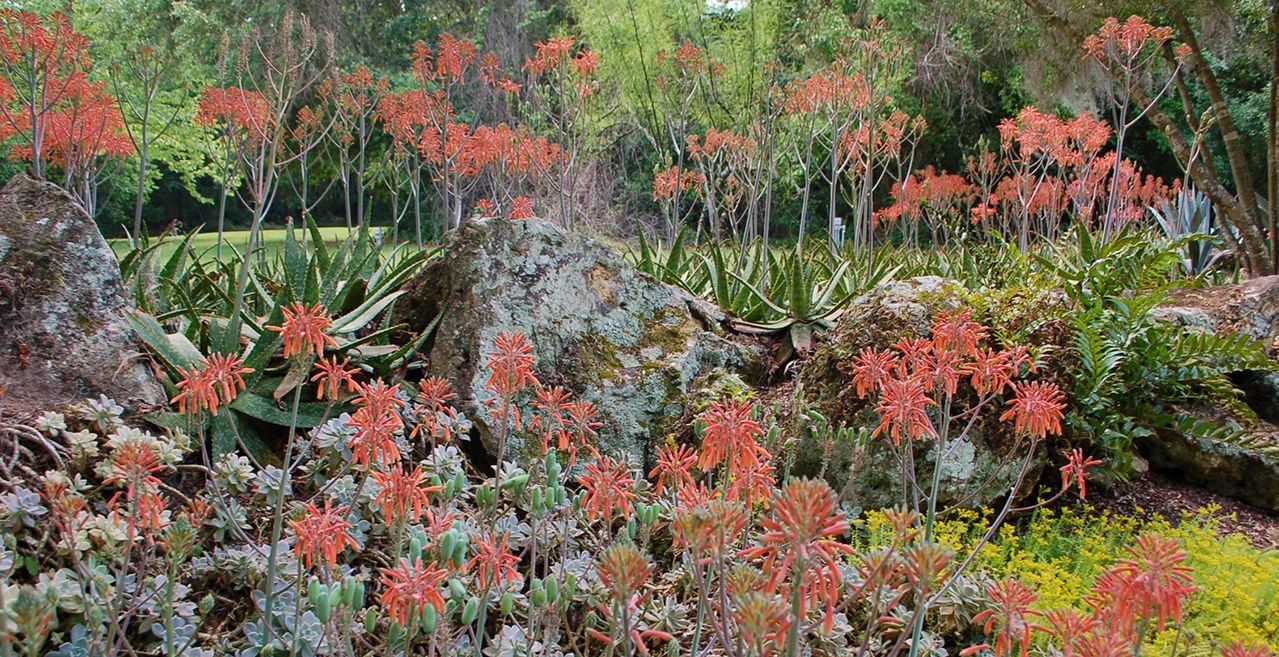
{"x": 245, "y": 114}
{"x": 1146, "y": 590}
{"x": 551, "y": 54}
{"x": 673, "y": 181}
{"x": 332, "y": 377}
{"x": 409, "y": 589}
{"x": 303, "y": 330}
{"x": 216, "y": 382}
{"x": 376, "y": 422}
{"x": 434, "y": 408}
{"x": 448, "y": 64}
{"x": 572, "y": 424}
{"x": 610, "y": 489}
{"x": 917, "y": 373}
{"x": 1126, "y": 41}
{"x": 403, "y": 494}
{"x": 798, "y": 546}
{"x": 322, "y": 534}
{"x": 493, "y": 564}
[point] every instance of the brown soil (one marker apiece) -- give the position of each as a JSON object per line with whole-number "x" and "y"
{"x": 1155, "y": 495}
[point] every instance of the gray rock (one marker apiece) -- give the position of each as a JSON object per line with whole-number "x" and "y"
{"x": 63, "y": 335}
{"x": 1246, "y": 472}
{"x": 609, "y": 333}
{"x": 977, "y": 470}
{"x": 1250, "y": 307}
{"x": 1246, "y": 468}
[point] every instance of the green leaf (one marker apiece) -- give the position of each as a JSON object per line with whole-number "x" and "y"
{"x": 361, "y": 316}
{"x": 174, "y": 350}
{"x": 310, "y": 414}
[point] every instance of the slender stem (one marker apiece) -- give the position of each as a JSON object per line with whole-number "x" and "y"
{"x": 277, "y": 518}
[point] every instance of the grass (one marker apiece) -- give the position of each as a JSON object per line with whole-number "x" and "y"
{"x": 271, "y": 239}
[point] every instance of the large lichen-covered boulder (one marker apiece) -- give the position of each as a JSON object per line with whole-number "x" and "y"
{"x": 63, "y": 335}
{"x": 977, "y": 469}
{"x": 610, "y": 334}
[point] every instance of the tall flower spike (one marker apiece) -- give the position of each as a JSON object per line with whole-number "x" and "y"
{"x": 731, "y": 433}
{"x": 333, "y": 377}
{"x": 872, "y": 369}
{"x": 957, "y": 332}
{"x": 1012, "y": 613}
{"x": 434, "y": 408}
{"x": 403, "y": 494}
{"x": 493, "y": 563}
{"x": 802, "y": 529}
{"x": 303, "y": 330}
{"x": 903, "y": 411}
{"x": 215, "y": 382}
{"x": 674, "y": 465}
{"x": 1075, "y": 472}
{"x": 510, "y": 364}
{"x": 623, "y": 570}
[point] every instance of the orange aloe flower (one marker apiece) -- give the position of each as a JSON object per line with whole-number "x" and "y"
{"x": 332, "y": 377}
{"x": 800, "y": 539}
{"x": 510, "y": 364}
{"x": 957, "y": 332}
{"x": 215, "y": 383}
{"x": 322, "y": 534}
{"x": 903, "y": 410}
{"x": 1035, "y": 409}
{"x": 623, "y": 570}
{"x": 730, "y": 432}
{"x": 676, "y": 463}
{"x": 609, "y": 488}
{"x": 411, "y": 588}
{"x": 990, "y": 371}
{"x": 434, "y": 399}
{"x": 872, "y": 369}
{"x": 376, "y": 422}
{"x": 1075, "y": 472}
{"x": 303, "y": 330}
{"x": 404, "y": 494}
{"x": 493, "y": 563}
{"x": 1012, "y": 612}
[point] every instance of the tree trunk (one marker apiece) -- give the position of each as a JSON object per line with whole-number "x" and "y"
{"x": 1241, "y": 170}
{"x": 1272, "y": 139}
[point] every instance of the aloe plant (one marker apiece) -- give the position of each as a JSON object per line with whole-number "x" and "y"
{"x": 770, "y": 291}
{"x": 185, "y": 313}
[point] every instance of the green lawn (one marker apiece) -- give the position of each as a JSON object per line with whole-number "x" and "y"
{"x": 271, "y": 239}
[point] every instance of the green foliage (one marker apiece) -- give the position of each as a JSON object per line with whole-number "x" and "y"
{"x": 768, "y": 291}
{"x": 1134, "y": 369}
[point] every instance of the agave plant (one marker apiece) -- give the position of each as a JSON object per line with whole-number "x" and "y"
{"x": 186, "y": 312}
{"x": 1191, "y": 215}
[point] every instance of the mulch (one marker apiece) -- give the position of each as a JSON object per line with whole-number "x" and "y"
{"x": 1155, "y": 495}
